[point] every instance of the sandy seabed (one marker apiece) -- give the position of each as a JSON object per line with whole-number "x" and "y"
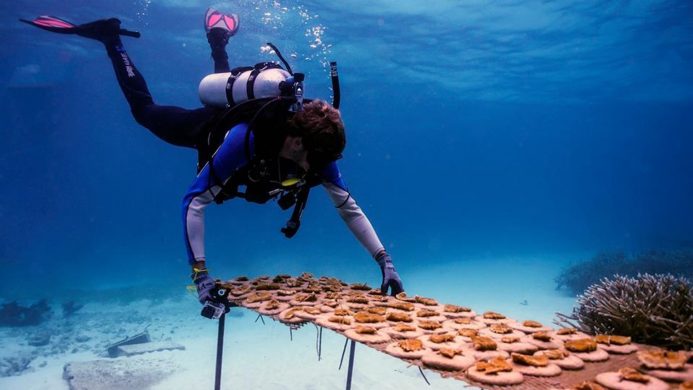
{"x": 262, "y": 356}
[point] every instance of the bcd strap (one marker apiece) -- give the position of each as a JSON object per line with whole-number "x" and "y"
{"x": 250, "y": 86}
{"x": 235, "y": 73}
{"x": 253, "y": 123}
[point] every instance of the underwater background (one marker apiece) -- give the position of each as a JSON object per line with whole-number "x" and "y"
{"x": 473, "y": 129}
{"x": 477, "y": 132}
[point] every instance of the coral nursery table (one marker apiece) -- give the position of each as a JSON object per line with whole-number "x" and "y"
{"x": 487, "y": 350}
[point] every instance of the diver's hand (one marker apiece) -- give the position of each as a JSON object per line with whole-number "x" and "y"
{"x": 391, "y": 280}
{"x": 204, "y": 284}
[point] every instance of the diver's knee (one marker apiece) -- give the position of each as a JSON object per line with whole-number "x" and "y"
{"x": 142, "y": 115}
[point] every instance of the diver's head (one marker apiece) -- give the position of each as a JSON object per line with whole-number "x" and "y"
{"x": 320, "y": 131}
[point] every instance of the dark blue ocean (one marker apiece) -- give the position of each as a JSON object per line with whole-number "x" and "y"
{"x": 492, "y": 144}
{"x": 476, "y": 129}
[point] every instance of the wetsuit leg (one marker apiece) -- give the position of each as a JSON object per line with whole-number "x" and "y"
{"x": 218, "y": 38}
{"x": 175, "y": 125}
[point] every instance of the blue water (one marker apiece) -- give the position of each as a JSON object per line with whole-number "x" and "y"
{"x": 515, "y": 128}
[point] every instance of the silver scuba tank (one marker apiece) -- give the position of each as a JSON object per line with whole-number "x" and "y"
{"x": 231, "y": 88}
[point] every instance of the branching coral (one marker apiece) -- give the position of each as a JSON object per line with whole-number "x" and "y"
{"x": 652, "y": 309}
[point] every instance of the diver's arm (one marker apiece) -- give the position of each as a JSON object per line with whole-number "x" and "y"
{"x": 354, "y": 218}
{"x": 361, "y": 227}
{"x": 229, "y": 158}
{"x": 350, "y": 212}
{"x": 198, "y": 197}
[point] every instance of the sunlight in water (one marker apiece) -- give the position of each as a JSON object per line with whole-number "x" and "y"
{"x": 143, "y": 11}
{"x": 280, "y": 17}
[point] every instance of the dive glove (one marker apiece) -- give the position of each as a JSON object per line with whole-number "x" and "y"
{"x": 204, "y": 284}
{"x": 391, "y": 279}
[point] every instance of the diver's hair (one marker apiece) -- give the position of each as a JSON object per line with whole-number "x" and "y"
{"x": 321, "y": 127}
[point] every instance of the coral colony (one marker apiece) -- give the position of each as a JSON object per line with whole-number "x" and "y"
{"x": 652, "y": 309}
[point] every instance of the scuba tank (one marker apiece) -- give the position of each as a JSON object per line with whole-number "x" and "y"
{"x": 264, "y": 80}
{"x": 247, "y": 94}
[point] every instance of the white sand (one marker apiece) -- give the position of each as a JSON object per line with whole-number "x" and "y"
{"x": 262, "y": 356}
{"x": 255, "y": 355}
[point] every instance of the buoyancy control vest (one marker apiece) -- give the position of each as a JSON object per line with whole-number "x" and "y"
{"x": 266, "y": 176}
{"x": 264, "y": 97}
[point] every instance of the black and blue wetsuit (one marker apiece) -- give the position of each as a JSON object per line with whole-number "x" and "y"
{"x": 182, "y": 127}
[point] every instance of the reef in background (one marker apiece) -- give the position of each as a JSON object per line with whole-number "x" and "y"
{"x": 14, "y": 314}
{"x": 578, "y": 277}
{"x": 651, "y": 309}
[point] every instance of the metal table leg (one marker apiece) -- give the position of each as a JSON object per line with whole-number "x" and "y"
{"x": 352, "y": 351}
{"x": 341, "y": 360}
{"x": 220, "y": 351}
{"x": 318, "y": 341}
{"x": 424, "y": 376}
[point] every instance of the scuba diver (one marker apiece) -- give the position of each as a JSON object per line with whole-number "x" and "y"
{"x": 255, "y": 133}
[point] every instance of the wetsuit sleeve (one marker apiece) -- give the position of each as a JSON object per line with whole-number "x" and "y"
{"x": 230, "y": 156}
{"x": 350, "y": 212}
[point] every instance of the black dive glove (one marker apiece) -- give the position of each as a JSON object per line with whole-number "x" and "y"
{"x": 391, "y": 280}
{"x": 204, "y": 284}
